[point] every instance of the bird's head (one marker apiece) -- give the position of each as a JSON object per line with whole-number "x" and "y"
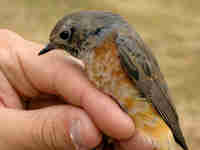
{"x": 80, "y": 32}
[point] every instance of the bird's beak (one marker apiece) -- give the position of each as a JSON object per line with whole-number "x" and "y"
{"x": 48, "y": 48}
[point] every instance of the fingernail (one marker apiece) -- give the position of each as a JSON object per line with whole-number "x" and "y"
{"x": 75, "y": 135}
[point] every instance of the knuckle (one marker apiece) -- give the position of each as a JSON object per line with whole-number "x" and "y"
{"x": 46, "y": 134}
{"x": 88, "y": 134}
{"x": 39, "y": 134}
{"x": 57, "y": 135}
{"x": 54, "y": 132}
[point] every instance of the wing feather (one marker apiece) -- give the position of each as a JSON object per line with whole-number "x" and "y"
{"x": 142, "y": 68}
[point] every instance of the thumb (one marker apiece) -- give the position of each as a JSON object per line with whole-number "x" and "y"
{"x": 56, "y": 127}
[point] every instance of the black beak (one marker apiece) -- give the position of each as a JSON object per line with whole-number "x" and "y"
{"x": 48, "y": 48}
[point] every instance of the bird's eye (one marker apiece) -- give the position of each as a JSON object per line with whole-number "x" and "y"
{"x": 65, "y": 35}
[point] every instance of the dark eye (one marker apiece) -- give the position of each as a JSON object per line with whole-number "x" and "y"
{"x": 65, "y": 35}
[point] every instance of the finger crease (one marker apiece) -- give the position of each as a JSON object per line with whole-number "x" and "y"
{"x": 25, "y": 75}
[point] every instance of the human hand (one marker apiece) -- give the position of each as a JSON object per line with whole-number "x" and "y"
{"x": 65, "y": 110}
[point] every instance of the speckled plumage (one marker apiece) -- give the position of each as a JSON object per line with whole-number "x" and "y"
{"x": 119, "y": 63}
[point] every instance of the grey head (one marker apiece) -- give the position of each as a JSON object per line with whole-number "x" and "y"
{"x": 78, "y": 33}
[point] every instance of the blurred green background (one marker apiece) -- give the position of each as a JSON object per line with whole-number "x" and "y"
{"x": 169, "y": 27}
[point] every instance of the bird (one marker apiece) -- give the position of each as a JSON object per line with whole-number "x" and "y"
{"x": 120, "y": 64}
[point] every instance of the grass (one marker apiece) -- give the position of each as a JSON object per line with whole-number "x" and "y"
{"x": 170, "y": 28}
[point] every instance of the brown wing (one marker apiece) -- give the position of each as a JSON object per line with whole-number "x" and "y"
{"x": 142, "y": 68}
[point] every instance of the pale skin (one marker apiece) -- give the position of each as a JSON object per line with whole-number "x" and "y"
{"x": 77, "y": 114}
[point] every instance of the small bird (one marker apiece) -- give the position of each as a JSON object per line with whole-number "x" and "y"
{"x": 119, "y": 63}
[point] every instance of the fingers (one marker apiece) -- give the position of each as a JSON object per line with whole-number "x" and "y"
{"x": 11, "y": 66}
{"x": 73, "y": 86}
{"x": 8, "y": 96}
{"x": 107, "y": 114}
{"x": 136, "y": 142}
{"x": 56, "y": 127}
{"x": 54, "y": 73}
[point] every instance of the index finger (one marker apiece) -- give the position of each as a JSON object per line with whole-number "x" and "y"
{"x": 54, "y": 73}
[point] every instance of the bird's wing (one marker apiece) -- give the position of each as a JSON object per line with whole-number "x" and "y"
{"x": 142, "y": 68}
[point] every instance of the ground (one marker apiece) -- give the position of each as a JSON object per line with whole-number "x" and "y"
{"x": 170, "y": 28}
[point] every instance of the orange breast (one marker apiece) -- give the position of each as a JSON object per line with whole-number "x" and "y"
{"x": 107, "y": 74}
